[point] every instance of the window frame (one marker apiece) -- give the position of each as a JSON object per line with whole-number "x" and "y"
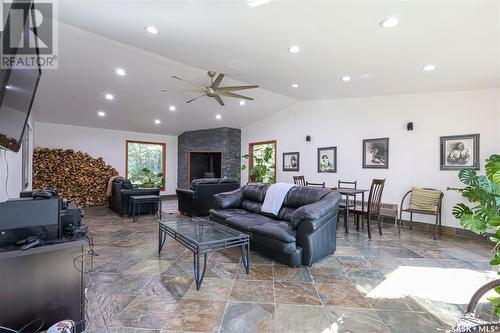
{"x": 164, "y": 158}
{"x": 250, "y": 154}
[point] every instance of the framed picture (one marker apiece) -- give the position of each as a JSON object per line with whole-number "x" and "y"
{"x": 327, "y": 159}
{"x": 376, "y": 153}
{"x": 459, "y": 151}
{"x": 291, "y": 161}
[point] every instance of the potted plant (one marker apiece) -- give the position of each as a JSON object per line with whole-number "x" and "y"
{"x": 262, "y": 169}
{"x": 482, "y": 215}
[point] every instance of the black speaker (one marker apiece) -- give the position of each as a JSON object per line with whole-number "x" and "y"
{"x": 308, "y": 138}
{"x": 409, "y": 126}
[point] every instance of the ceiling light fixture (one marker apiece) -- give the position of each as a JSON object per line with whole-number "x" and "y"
{"x": 171, "y": 107}
{"x": 346, "y": 78}
{"x": 294, "y": 49}
{"x": 295, "y": 85}
{"x": 109, "y": 97}
{"x": 157, "y": 121}
{"x": 390, "y": 22}
{"x": 242, "y": 103}
{"x": 256, "y": 3}
{"x": 429, "y": 67}
{"x": 101, "y": 114}
{"x": 152, "y": 30}
{"x": 120, "y": 72}
{"x": 218, "y": 116}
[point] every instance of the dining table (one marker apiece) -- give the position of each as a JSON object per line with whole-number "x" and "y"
{"x": 350, "y": 192}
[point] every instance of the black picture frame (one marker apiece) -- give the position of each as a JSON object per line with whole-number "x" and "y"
{"x": 325, "y": 151}
{"x": 456, "y": 159}
{"x": 288, "y": 167}
{"x": 381, "y": 159}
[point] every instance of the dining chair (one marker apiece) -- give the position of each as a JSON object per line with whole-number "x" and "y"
{"x": 425, "y": 201}
{"x": 372, "y": 207}
{"x": 347, "y": 200}
{"x": 316, "y": 184}
{"x": 299, "y": 180}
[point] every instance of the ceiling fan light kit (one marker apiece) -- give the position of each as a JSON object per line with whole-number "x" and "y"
{"x": 215, "y": 91}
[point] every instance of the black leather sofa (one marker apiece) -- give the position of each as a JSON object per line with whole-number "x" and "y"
{"x": 303, "y": 231}
{"x": 200, "y": 198}
{"x": 122, "y": 190}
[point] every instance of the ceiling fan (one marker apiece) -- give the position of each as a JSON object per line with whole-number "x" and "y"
{"x": 215, "y": 90}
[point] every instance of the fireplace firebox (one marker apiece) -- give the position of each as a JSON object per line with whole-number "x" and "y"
{"x": 204, "y": 165}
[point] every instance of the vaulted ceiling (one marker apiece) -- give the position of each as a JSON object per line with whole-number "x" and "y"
{"x": 250, "y": 45}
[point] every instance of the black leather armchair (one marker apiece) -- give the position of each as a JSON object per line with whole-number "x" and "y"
{"x": 122, "y": 190}
{"x": 200, "y": 198}
{"x": 303, "y": 231}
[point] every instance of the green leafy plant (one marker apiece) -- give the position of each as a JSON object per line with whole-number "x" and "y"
{"x": 262, "y": 167}
{"x": 145, "y": 178}
{"x": 483, "y": 214}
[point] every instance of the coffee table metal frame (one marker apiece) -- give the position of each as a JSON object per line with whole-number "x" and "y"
{"x": 203, "y": 248}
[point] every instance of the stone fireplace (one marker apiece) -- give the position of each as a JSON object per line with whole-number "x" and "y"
{"x": 209, "y": 152}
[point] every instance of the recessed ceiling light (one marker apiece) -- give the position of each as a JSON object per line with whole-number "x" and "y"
{"x": 429, "y": 67}
{"x": 109, "y": 97}
{"x": 120, "y": 71}
{"x": 157, "y": 121}
{"x": 294, "y": 49}
{"x": 256, "y": 3}
{"x": 101, "y": 114}
{"x": 218, "y": 116}
{"x": 346, "y": 78}
{"x": 295, "y": 85}
{"x": 152, "y": 30}
{"x": 389, "y": 22}
{"x": 171, "y": 107}
{"x": 8, "y": 87}
{"x": 242, "y": 103}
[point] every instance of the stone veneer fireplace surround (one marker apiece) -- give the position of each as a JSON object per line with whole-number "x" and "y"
{"x": 224, "y": 140}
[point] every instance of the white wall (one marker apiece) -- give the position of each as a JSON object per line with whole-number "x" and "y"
{"x": 413, "y": 156}
{"x": 105, "y": 143}
{"x": 13, "y": 162}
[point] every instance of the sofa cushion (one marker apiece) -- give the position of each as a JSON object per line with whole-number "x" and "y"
{"x": 225, "y": 213}
{"x": 299, "y": 196}
{"x": 278, "y": 230}
{"x": 255, "y": 192}
{"x": 246, "y": 221}
{"x": 252, "y": 206}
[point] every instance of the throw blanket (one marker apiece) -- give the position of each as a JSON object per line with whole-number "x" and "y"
{"x": 109, "y": 190}
{"x": 275, "y": 196}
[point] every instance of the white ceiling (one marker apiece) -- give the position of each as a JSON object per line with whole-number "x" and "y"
{"x": 250, "y": 45}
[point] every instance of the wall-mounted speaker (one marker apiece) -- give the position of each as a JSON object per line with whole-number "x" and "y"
{"x": 409, "y": 126}
{"x": 308, "y": 138}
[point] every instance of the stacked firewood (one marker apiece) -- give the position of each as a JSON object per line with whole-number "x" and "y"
{"x": 76, "y": 175}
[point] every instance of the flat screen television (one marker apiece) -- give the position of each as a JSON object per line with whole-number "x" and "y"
{"x": 17, "y": 92}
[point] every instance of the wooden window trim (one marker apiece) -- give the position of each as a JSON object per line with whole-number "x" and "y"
{"x": 164, "y": 158}
{"x": 250, "y": 154}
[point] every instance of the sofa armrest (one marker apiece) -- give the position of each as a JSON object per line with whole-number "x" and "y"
{"x": 314, "y": 212}
{"x": 181, "y": 192}
{"x": 227, "y": 200}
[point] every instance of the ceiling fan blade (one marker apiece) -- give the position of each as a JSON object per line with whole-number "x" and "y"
{"x": 234, "y": 88}
{"x": 230, "y": 94}
{"x": 217, "y": 97}
{"x": 192, "y": 99}
{"x": 217, "y": 81}
{"x": 181, "y": 79}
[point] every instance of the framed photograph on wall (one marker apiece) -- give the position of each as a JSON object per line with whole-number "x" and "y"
{"x": 459, "y": 151}
{"x": 291, "y": 161}
{"x": 327, "y": 159}
{"x": 376, "y": 153}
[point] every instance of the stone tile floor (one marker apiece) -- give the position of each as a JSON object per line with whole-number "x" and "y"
{"x": 393, "y": 284}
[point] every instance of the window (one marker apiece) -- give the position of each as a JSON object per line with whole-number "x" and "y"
{"x": 262, "y": 160}
{"x": 145, "y": 164}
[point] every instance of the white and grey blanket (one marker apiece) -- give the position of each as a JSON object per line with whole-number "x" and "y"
{"x": 275, "y": 196}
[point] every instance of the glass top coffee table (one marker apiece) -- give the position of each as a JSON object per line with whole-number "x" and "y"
{"x": 202, "y": 236}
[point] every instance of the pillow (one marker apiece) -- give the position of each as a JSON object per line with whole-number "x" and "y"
{"x": 426, "y": 200}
